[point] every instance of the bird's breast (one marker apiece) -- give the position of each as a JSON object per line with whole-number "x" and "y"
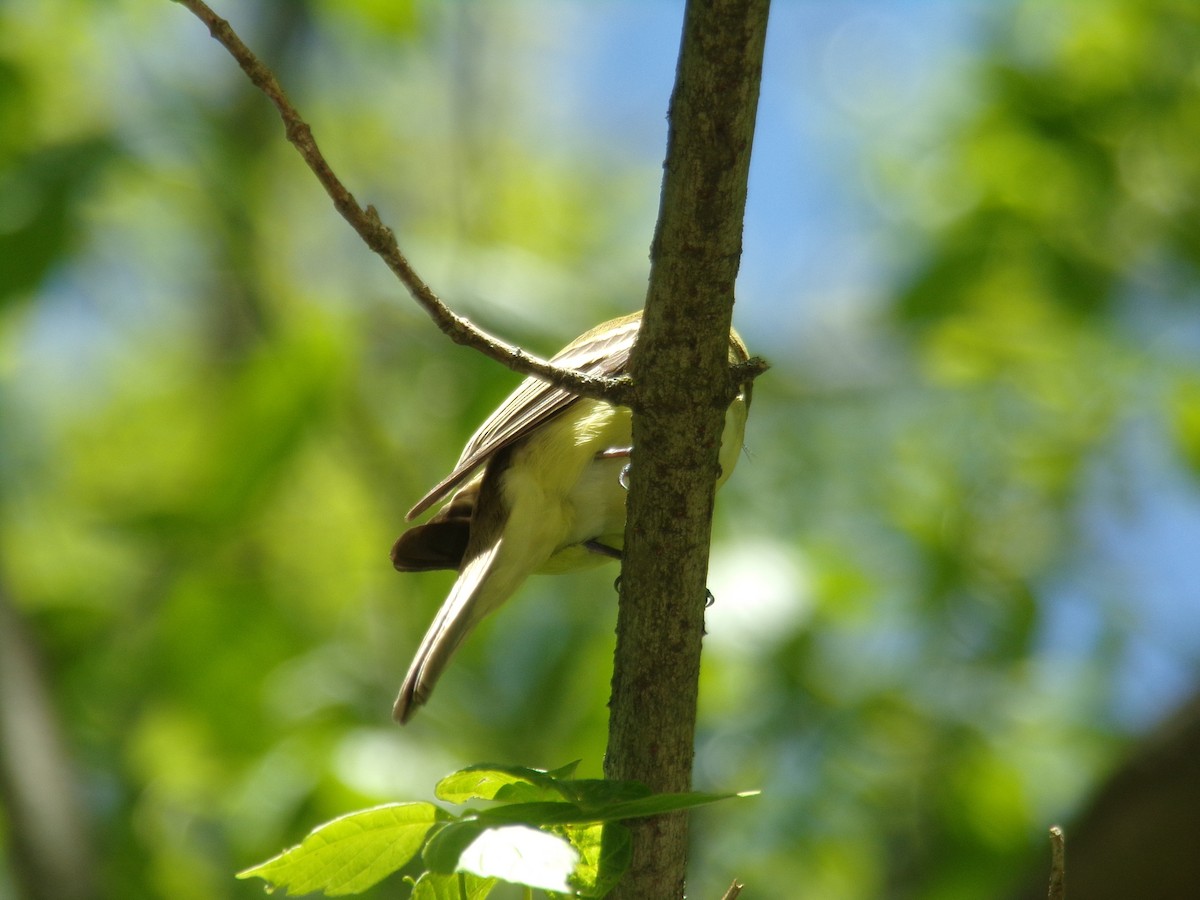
{"x": 559, "y": 494}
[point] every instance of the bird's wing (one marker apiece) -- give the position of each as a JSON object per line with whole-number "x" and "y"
{"x": 603, "y": 351}
{"x": 441, "y": 542}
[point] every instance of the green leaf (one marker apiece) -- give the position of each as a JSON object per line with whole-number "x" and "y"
{"x": 537, "y": 797}
{"x": 489, "y": 781}
{"x": 446, "y": 847}
{"x": 352, "y": 852}
{"x": 523, "y": 855}
{"x": 535, "y": 815}
{"x": 544, "y": 814}
{"x": 564, "y": 772}
{"x": 657, "y": 804}
{"x": 595, "y": 793}
{"x": 516, "y": 853}
{"x": 604, "y": 854}
{"x": 456, "y": 886}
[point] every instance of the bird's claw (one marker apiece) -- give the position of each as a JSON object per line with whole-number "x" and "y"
{"x": 618, "y": 453}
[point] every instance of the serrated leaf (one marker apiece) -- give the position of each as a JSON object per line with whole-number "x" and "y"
{"x": 350, "y": 853}
{"x": 490, "y": 781}
{"x": 457, "y": 886}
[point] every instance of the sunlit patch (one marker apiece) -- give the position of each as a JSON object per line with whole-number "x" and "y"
{"x": 385, "y": 762}
{"x": 524, "y": 855}
{"x": 762, "y": 594}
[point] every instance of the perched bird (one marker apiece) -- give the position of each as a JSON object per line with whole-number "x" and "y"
{"x": 544, "y": 492}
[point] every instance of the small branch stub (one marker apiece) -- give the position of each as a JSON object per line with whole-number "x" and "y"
{"x": 1058, "y": 864}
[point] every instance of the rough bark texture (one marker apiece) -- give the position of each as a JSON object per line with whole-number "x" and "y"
{"x": 681, "y": 384}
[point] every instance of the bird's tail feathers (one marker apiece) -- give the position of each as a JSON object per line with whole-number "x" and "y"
{"x": 473, "y": 596}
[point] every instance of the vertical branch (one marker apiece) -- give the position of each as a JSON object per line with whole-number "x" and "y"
{"x": 680, "y": 371}
{"x": 1058, "y": 865}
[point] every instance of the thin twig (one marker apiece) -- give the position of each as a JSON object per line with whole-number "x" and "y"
{"x": 382, "y": 241}
{"x": 1058, "y": 864}
{"x": 735, "y": 891}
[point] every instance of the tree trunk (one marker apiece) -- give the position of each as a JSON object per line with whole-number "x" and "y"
{"x": 681, "y": 386}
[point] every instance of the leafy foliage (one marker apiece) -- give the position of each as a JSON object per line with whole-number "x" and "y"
{"x": 538, "y": 811}
{"x": 947, "y": 576}
{"x": 353, "y": 852}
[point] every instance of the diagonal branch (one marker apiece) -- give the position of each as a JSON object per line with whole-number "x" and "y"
{"x": 382, "y": 240}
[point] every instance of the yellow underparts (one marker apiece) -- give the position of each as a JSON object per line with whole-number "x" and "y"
{"x": 560, "y": 495}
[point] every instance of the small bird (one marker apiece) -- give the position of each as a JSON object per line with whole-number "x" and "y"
{"x": 544, "y": 492}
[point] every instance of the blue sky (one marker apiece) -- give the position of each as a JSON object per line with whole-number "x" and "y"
{"x": 837, "y": 77}
{"x": 843, "y": 84}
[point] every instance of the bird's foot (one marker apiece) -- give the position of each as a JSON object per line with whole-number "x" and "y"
{"x": 709, "y": 599}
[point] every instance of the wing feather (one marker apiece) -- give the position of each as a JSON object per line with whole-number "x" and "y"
{"x": 603, "y": 351}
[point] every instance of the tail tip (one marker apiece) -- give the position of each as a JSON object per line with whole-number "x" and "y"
{"x": 403, "y": 709}
{"x": 408, "y": 701}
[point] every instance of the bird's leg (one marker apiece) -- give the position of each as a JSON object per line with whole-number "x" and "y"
{"x": 709, "y": 599}
{"x": 618, "y": 453}
{"x": 603, "y": 549}
{"x": 623, "y": 478}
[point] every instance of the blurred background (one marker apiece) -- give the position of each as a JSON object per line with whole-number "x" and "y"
{"x": 955, "y": 582}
